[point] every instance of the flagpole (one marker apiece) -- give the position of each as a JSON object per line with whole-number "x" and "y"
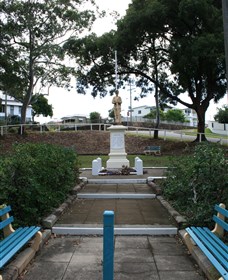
{"x": 116, "y": 70}
{"x": 225, "y": 25}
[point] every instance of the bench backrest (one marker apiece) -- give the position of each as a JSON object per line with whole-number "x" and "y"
{"x": 221, "y": 217}
{"x": 6, "y": 220}
{"x": 157, "y": 148}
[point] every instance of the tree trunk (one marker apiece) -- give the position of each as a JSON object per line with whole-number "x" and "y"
{"x": 157, "y": 114}
{"x": 201, "y": 125}
{"x": 156, "y": 94}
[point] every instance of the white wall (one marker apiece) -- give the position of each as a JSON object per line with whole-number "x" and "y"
{"x": 219, "y": 128}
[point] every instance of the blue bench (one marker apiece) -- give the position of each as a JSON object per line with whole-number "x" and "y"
{"x": 14, "y": 240}
{"x": 156, "y": 150}
{"x": 210, "y": 242}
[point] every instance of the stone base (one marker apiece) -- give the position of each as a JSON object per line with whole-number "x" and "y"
{"x": 117, "y": 155}
{"x": 117, "y": 161}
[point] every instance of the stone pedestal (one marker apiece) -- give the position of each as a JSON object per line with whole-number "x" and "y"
{"x": 117, "y": 155}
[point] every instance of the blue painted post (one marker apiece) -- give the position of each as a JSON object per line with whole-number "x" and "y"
{"x": 108, "y": 245}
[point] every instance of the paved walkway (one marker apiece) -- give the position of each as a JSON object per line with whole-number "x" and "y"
{"x": 135, "y": 257}
{"x": 146, "y": 258}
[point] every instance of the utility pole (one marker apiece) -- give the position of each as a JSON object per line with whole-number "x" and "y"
{"x": 130, "y": 104}
{"x": 225, "y": 27}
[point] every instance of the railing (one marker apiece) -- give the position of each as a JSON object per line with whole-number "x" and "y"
{"x": 4, "y": 129}
{"x": 163, "y": 133}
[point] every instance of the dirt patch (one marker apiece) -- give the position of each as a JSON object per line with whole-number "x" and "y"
{"x": 94, "y": 142}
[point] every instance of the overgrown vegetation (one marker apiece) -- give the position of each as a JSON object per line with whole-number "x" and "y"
{"x": 35, "y": 178}
{"x": 195, "y": 184}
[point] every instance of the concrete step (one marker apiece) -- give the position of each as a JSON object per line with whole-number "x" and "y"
{"x": 116, "y": 196}
{"x": 118, "y": 229}
{"x": 122, "y": 181}
{"x": 117, "y": 181}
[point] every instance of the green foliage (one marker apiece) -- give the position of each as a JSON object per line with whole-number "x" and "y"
{"x": 95, "y": 117}
{"x": 111, "y": 114}
{"x": 35, "y": 178}
{"x": 195, "y": 184}
{"x": 40, "y": 106}
{"x": 167, "y": 45}
{"x": 175, "y": 115}
{"x": 32, "y": 33}
{"x": 222, "y": 115}
{"x": 152, "y": 115}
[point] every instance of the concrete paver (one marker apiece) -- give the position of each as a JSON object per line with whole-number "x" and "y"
{"x": 135, "y": 257}
{"x": 127, "y": 211}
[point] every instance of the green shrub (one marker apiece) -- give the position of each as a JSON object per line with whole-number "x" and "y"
{"x": 195, "y": 184}
{"x": 36, "y": 178}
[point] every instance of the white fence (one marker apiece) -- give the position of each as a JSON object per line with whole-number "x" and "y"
{"x": 58, "y": 128}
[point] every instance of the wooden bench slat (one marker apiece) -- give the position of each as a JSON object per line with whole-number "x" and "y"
{"x": 221, "y": 210}
{"x": 25, "y": 235}
{"x": 5, "y": 210}
{"x": 209, "y": 255}
{"x": 207, "y": 243}
{"x": 223, "y": 245}
{"x": 218, "y": 249}
{"x": 6, "y": 222}
{"x": 152, "y": 149}
{"x": 220, "y": 222}
{"x": 10, "y": 239}
{"x": 19, "y": 234}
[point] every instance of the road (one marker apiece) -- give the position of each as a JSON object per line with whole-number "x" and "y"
{"x": 181, "y": 136}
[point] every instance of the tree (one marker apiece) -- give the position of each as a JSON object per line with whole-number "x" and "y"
{"x": 167, "y": 43}
{"x": 152, "y": 115}
{"x": 40, "y": 106}
{"x": 95, "y": 117}
{"x": 175, "y": 115}
{"x": 222, "y": 115}
{"x": 32, "y": 34}
{"x": 111, "y": 114}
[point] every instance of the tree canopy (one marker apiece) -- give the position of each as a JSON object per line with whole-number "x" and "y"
{"x": 32, "y": 35}
{"x": 172, "y": 46}
{"x": 40, "y": 106}
{"x": 95, "y": 117}
{"x": 222, "y": 115}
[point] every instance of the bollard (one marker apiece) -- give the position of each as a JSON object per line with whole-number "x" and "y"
{"x": 139, "y": 166}
{"x": 95, "y": 167}
{"x": 99, "y": 160}
{"x": 108, "y": 245}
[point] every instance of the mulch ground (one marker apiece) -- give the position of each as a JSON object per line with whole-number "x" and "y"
{"x": 94, "y": 142}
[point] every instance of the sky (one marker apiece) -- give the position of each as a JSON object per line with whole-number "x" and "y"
{"x": 67, "y": 103}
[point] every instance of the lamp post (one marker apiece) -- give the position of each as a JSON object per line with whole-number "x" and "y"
{"x": 225, "y": 27}
{"x": 130, "y": 107}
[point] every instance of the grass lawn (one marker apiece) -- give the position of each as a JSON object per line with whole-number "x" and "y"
{"x": 208, "y": 133}
{"x": 148, "y": 161}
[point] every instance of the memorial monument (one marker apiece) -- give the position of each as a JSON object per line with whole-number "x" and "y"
{"x": 117, "y": 155}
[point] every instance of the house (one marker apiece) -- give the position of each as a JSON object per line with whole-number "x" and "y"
{"x": 141, "y": 111}
{"x": 74, "y": 119}
{"x": 9, "y": 107}
{"x": 190, "y": 116}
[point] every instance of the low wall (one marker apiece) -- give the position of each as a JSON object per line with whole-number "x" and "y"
{"x": 219, "y": 128}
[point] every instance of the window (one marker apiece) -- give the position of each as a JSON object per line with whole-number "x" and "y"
{"x": 2, "y": 109}
{"x": 139, "y": 112}
{"x": 11, "y": 110}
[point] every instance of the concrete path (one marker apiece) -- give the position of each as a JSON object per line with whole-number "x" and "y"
{"x": 146, "y": 258}
{"x": 154, "y": 257}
